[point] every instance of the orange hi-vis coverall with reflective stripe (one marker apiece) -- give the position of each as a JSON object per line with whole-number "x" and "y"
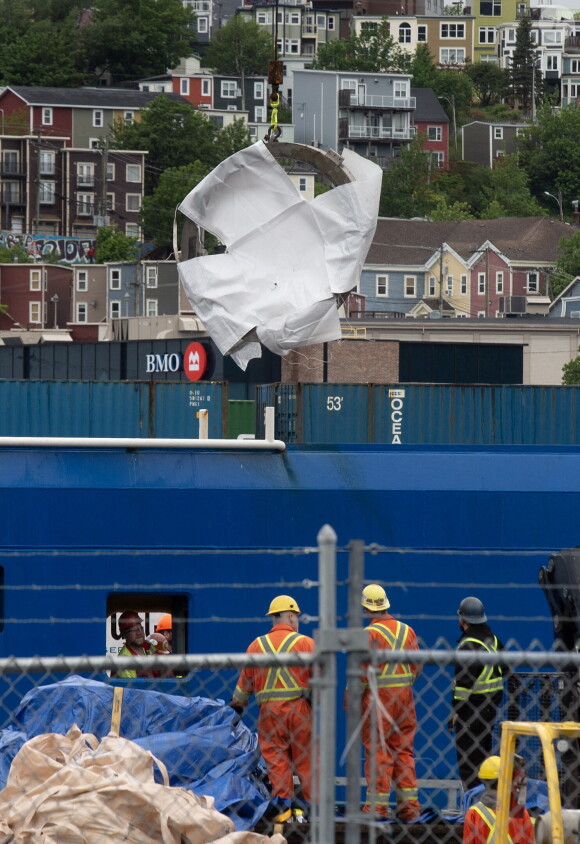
{"x": 396, "y": 725}
{"x": 479, "y": 825}
{"x": 285, "y": 720}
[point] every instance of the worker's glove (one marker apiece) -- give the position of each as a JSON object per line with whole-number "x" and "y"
{"x": 239, "y": 710}
{"x": 452, "y": 722}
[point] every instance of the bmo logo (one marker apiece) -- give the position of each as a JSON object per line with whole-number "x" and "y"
{"x": 194, "y": 361}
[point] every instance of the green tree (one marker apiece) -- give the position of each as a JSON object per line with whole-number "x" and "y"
{"x": 490, "y": 82}
{"x": 454, "y": 9}
{"x": 232, "y": 138}
{"x": 550, "y": 154}
{"x": 408, "y": 188}
{"x": 567, "y": 265}
{"x": 174, "y": 134}
{"x": 454, "y": 212}
{"x": 44, "y": 55}
{"x": 423, "y": 68}
{"x": 158, "y": 209}
{"x": 113, "y": 245}
{"x": 136, "y": 38}
{"x": 15, "y": 255}
{"x": 240, "y": 48}
{"x": 507, "y": 193}
{"x": 525, "y": 78}
{"x": 373, "y": 51}
{"x": 571, "y": 371}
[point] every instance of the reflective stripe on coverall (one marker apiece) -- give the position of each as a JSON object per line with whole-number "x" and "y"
{"x": 479, "y": 826}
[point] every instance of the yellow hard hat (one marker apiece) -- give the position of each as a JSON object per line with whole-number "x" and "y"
{"x": 375, "y": 598}
{"x": 489, "y": 769}
{"x": 283, "y": 603}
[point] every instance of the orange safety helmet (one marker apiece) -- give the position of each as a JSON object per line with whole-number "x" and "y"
{"x": 165, "y": 622}
{"x": 127, "y": 620}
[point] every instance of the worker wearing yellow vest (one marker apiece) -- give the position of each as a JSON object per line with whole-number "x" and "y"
{"x": 479, "y": 824}
{"x": 285, "y": 719}
{"x": 477, "y": 692}
{"x": 396, "y": 721}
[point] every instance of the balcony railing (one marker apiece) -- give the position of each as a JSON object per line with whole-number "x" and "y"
{"x": 352, "y": 99}
{"x": 572, "y": 42}
{"x": 378, "y": 132}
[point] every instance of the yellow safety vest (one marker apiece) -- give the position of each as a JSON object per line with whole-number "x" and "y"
{"x": 280, "y": 683}
{"x": 489, "y": 681}
{"x": 393, "y": 674}
{"x": 488, "y": 816}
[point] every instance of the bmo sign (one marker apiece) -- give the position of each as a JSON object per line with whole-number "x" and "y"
{"x": 193, "y": 361}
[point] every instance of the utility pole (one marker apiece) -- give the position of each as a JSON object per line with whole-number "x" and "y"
{"x": 441, "y": 280}
{"x": 487, "y": 281}
{"x": 37, "y": 183}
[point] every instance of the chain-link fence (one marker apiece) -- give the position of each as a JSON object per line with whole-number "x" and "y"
{"x": 371, "y": 756}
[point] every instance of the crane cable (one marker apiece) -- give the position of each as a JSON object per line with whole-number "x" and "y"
{"x": 275, "y": 79}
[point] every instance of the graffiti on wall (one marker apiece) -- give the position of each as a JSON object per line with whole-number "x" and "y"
{"x": 72, "y": 250}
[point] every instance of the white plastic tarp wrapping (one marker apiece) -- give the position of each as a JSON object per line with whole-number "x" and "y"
{"x": 286, "y": 258}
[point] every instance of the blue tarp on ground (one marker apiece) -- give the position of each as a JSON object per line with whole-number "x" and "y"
{"x": 202, "y": 743}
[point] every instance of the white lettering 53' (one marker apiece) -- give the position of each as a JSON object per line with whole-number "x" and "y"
{"x": 334, "y": 403}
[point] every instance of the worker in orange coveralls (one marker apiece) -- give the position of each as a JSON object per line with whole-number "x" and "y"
{"x": 285, "y": 720}
{"x": 479, "y": 824}
{"x": 396, "y": 721}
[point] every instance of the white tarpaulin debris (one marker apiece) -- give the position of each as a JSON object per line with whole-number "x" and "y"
{"x": 286, "y": 257}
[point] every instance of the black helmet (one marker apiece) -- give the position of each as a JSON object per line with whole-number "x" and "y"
{"x": 471, "y": 610}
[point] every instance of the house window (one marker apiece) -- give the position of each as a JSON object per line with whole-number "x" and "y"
{"x": 82, "y": 281}
{"x": 575, "y": 66}
{"x": 422, "y": 34}
{"x": 133, "y": 202}
{"x": 81, "y": 312}
{"x": 264, "y": 17}
{"x": 452, "y": 30}
{"x": 229, "y": 89}
{"x": 520, "y": 132}
{"x": 292, "y": 46}
{"x": 382, "y": 284}
{"x": 34, "y": 311}
{"x": 11, "y": 193}
{"x": 551, "y": 62}
{"x": 452, "y": 55}
{"x": 463, "y": 285}
{"x": 133, "y": 230}
{"x": 330, "y": 24}
{"x": 490, "y": 7}
{"x": 400, "y": 90}
{"x": 10, "y": 162}
{"x": 97, "y": 118}
{"x": 432, "y": 285}
{"x": 46, "y": 164}
{"x": 481, "y": 284}
{"x": 129, "y": 117}
{"x": 438, "y": 158}
{"x": 449, "y": 286}
{"x": 498, "y": 133}
{"x": 110, "y": 201}
{"x": 302, "y": 183}
{"x": 184, "y": 86}
{"x": 258, "y": 90}
{"x": 115, "y": 310}
{"x": 205, "y": 87}
{"x": 151, "y": 307}
{"x": 151, "y": 276}
{"x": 110, "y": 172}
{"x": 499, "y": 282}
{"x": 404, "y": 33}
{"x": 85, "y": 204}
{"x": 202, "y": 25}
{"x": 35, "y": 280}
{"x": 133, "y": 172}
{"x": 487, "y": 35}
{"x": 410, "y": 285}
{"x": 480, "y": 314}
{"x": 552, "y": 37}
{"x": 321, "y": 21}
{"x": 115, "y": 279}
{"x": 47, "y": 117}
{"x": 259, "y": 114}
{"x": 86, "y": 175}
{"x": 533, "y": 283}
{"x": 294, "y": 18}
{"x": 46, "y": 193}
{"x": 434, "y": 133}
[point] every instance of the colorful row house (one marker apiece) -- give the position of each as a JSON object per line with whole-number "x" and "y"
{"x": 474, "y": 268}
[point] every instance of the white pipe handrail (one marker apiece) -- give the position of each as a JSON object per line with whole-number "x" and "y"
{"x": 140, "y": 442}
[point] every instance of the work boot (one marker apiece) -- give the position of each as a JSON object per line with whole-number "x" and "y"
{"x": 284, "y": 810}
{"x": 299, "y": 816}
{"x": 409, "y": 812}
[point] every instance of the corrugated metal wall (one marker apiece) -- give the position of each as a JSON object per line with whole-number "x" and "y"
{"x": 110, "y": 409}
{"x": 424, "y": 414}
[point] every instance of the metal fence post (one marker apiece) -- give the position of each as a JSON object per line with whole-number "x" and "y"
{"x": 353, "y": 714}
{"x": 324, "y": 732}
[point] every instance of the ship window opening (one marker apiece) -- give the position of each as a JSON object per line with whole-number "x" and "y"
{"x": 150, "y": 607}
